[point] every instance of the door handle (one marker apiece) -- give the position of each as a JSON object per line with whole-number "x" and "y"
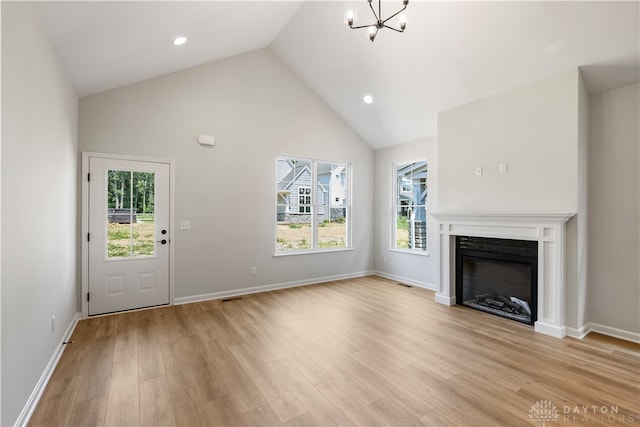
{"x": 163, "y": 241}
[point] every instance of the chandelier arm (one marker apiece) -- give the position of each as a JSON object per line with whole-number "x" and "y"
{"x": 362, "y": 26}
{"x": 394, "y": 29}
{"x": 374, "y": 12}
{"x": 395, "y": 14}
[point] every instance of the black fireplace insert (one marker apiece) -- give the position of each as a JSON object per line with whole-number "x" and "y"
{"x": 498, "y": 276}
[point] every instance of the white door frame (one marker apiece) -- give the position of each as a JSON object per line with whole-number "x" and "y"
{"x": 84, "y": 266}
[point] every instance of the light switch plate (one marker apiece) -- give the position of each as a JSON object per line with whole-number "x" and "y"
{"x": 504, "y": 168}
{"x": 478, "y": 170}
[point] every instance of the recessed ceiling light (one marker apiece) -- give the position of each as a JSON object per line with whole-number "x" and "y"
{"x": 179, "y": 40}
{"x": 368, "y": 99}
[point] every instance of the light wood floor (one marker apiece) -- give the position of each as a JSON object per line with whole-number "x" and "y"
{"x": 364, "y": 351}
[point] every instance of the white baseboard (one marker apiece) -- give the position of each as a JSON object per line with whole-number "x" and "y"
{"x": 445, "y": 300}
{"x": 265, "y": 288}
{"x": 614, "y": 332}
{"x": 407, "y": 281}
{"x": 579, "y": 333}
{"x": 32, "y": 402}
{"x": 582, "y": 332}
{"x": 550, "y": 329}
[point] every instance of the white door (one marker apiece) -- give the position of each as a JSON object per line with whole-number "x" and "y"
{"x": 128, "y": 234}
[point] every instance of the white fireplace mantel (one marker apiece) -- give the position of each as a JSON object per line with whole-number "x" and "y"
{"x": 547, "y": 228}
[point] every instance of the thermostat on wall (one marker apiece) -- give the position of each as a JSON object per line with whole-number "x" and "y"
{"x": 206, "y": 140}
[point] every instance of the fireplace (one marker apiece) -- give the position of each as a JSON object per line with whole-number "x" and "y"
{"x": 547, "y": 230}
{"x": 498, "y": 276}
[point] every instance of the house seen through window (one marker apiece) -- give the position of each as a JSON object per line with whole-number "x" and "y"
{"x": 312, "y": 205}
{"x": 410, "y": 206}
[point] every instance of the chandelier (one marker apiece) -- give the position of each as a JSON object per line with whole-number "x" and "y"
{"x": 380, "y": 23}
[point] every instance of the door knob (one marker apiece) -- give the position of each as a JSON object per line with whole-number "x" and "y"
{"x": 163, "y": 241}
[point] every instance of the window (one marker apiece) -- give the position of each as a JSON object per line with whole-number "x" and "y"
{"x": 312, "y": 205}
{"x": 304, "y": 200}
{"x": 410, "y": 206}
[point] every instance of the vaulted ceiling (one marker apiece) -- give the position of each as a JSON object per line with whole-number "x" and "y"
{"x": 451, "y": 53}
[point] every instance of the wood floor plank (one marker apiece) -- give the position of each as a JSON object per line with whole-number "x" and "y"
{"x": 305, "y": 420}
{"x": 89, "y": 412}
{"x": 262, "y": 416}
{"x": 125, "y": 346}
{"x": 286, "y": 407}
{"x": 149, "y": 353}
{"x": 57, "y": 402}
{"x": 123, "y": 404}
{"x": 238, "y": 384}
{"x": 359, "y": 414}
{"x": 155, "y": 403}
{"x": 222, "y": 412}
{"x": 366, "y": 351}
{"x": 394, "y": 412}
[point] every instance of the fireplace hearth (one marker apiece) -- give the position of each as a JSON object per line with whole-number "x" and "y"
{"x": 498, "y": 276}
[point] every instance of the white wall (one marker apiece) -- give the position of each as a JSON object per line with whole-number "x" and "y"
{"x": 257, "y": 109}
{"x": 614, "y": 208}
{"x": 533, "y": 128}
{"x": 39, "y": 178}
{"x": 418, "y": 269}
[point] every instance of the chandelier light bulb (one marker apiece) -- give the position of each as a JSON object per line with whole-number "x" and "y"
{"x": 350, "y": 15}
{"x": 372, "y": 32}
{"x": 403, "y": 22}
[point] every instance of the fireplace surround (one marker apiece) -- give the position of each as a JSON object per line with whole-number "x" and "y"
{"x": 547, "y": 229}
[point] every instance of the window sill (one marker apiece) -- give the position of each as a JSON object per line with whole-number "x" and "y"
{"x": 410, "y": 252}
{"x": 321, "y": 251}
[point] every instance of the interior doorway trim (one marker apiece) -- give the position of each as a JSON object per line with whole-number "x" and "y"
{"x": 84, "y": 201}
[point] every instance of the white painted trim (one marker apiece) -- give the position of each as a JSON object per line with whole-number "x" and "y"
{"x": 503, "y": 217}
{"x": 38, "y": 391}
{"x": 445, "y": 299}
{"x": 614, "y": 332}
{"x": 551, "y": 329}
{"x": 579, "y": 333}
{"x": 84, "y": 201}
{"x": 406, "y": 280}
{"x": 266, "y": 288}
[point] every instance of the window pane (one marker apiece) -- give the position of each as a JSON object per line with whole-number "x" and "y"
{"x": 332, "y": 182}
{"x": 402, "y": 228}
{"x": 411, "y": 228}
{"x": 332, "y": 229}
{"x": 130, "y": 214}
{"x": 294, "y": 235}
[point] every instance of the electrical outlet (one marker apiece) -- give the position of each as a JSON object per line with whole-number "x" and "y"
{"x": 504, "y": 168}
{"x": 252, "y": 271}
{"x": 185, "y": 224}
{"x": 53, "y": 323}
